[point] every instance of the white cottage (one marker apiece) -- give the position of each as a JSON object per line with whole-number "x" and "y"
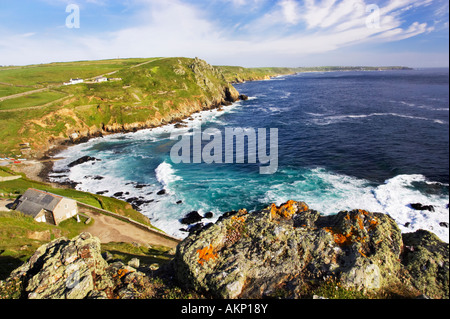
{"x": 46, "y": 207}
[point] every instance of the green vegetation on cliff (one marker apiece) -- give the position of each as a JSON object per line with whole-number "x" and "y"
{"x": 237, "y": 74}
{"x": 140, "y": 93}
{"x": 19, "y": 186}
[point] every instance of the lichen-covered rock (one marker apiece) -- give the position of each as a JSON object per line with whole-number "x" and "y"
{"x": 253, "y": 255}
{"x": 75, "y": 269}
{"x": 64, "y": 269}
{"x": 426, "y": 258}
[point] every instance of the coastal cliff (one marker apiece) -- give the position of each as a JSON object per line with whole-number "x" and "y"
{"x": 147, "y": 95}
{"x": 289, "y": 251}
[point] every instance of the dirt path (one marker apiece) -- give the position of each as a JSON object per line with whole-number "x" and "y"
{"x": 110, "y": 229}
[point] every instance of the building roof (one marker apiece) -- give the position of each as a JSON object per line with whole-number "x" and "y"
{"x": 33, "y": 201}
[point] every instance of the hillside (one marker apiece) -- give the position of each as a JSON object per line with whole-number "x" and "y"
{"x": 21, "y": 235}
{"x": 38, "y": 112}
{"x": 238, "y": 74}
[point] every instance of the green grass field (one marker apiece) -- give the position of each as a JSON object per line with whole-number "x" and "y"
{"x": 56, "y": 73}
{"x": 19, "y": 186}
{"x": 32, "y": 100}
{"x": 6, "y": 90}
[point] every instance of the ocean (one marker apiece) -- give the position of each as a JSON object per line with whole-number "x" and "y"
{"x": 375, "y": 140}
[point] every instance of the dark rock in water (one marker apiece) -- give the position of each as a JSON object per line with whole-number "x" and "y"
{"x": 97, "y": 177}
{"x": 191, "y": 218}
{"x": 180, "y": 125}
{"x": 243, "y": 97}
{"x": 142, "y": 202}
{"x": 179, "y": 202}
{"x": 139, "y": 186}
{"x": 443, "y": 224}
{"x": 407, "y": 224}
{"x": 118, "y": 194}
{"x": 161, "y": 192}
{"x": 132, "y": 199}
{"x": 102, "y": 192}
{"x": 194, "y": 228}
{"x": 209, "y": 215}
{"x": 82, "y": 160}
{"x": 418, "y": 206}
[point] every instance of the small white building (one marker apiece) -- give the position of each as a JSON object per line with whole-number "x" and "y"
{"x": 101, "y": 79}
{"x": 74, "y": 81}
{"x": 46, "y": 207}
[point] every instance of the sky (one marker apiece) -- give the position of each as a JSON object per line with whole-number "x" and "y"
{"x": 248, "y": 33}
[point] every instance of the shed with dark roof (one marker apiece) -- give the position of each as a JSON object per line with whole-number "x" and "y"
{"x": 46, "y": 207}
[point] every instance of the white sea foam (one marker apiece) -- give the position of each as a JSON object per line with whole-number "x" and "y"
{"x": 165, "y": 174}
{"x": 334, "y": 192}
{"x": 327, "y": 120}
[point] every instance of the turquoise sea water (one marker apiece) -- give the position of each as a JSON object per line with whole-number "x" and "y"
{"x": 346, "y": 140}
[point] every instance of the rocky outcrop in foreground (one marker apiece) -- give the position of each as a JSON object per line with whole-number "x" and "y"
{"x": 286, "y": 251}
{"x": 283, "y": 251}
{"x": 75, "y": 269}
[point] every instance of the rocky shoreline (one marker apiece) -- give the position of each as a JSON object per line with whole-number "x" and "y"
{"x": 48, "y": 157}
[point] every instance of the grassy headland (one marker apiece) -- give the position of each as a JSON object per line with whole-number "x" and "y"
{"x": 141, "y": 93}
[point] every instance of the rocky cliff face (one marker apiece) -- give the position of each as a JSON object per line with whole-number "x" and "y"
{"x": 152, "y": 95}
{"x": 289, "y": 248}
{"x": 286, "y": 251}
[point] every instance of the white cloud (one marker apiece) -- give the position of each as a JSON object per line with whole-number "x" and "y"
{"x": 289, "y": 9}
{"x": 177, "y": 28}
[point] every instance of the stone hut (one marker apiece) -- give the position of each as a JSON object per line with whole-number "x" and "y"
{"x": 46, "y": 207}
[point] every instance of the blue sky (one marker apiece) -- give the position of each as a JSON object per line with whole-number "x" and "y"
{"x": 230, "y": 32}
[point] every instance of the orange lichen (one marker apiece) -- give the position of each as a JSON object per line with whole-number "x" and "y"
{"x": 206, "y": 254}
{"x": 340, "y": 239}
{"x": 288, "y": 209}
{"x": 362, "y": 254}
{"x": 365, "y": 222}
{"x": 238, "y": 219}
{"x": 122, "y": 272}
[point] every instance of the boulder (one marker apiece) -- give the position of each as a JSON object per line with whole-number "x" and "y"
{"x": 208, "y": 215}
{"x": 65, "y": 269}
{"x": 289, "y": 248}
{"x": 82, "y": 160}
{"x": 76, "y": 269}
{"x": 191, "y": 218}
{"x": 419, "y": 206}
{"x": 427, "y": 261}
